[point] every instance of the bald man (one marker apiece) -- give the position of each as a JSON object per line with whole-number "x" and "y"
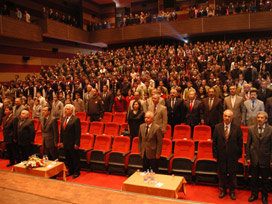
{"x": 227, "y": 149}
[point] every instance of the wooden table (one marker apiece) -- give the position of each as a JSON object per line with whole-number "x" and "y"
{"x": 170, "y": 187}
{"x": 50, "y": 170}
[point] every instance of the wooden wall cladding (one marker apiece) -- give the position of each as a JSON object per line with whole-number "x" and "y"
{"x": 19, "y": 29}
{"x": 138, "y": 31}
{"x": 226, "y": 23}
{"x": 107, "y": 35}
{"x": 58, "y": 29}
{"x": 261, "y": 20}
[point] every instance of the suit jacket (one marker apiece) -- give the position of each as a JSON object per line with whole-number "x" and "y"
{"x": 50, "y": 132}
{"x": 9, "y": 129}
{"x": 150, "y": 145}
{"x": 86, "y": 97}
{"x": 268, "y": 109}
{"x": 108, "y": 101}
{"x": 25, "y": 132}
{"x": 196, "y": 115}
{"x": 228, "y": 152}
{"x": 79, "y": 105}
{"x": 237, "y": 109}
{"x": 213, "y": 116}
{"x": 17, "y": 112}
{"x": 259, "y": 149}
{"x": 57, "y": 109}
{"x": 249, "y": 113}
{"x": 160, "y": 116}
{"x": 263, "y": 96}
{"x": 70, "y": 136}
{"x": 175, "y": 114}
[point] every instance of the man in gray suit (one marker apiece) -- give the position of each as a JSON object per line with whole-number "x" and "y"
{"x": 150, "y": 142}
{"x": 259, "y": 155}
{"x": 234, "y": 103}
{"x": 57, "y": 108}
{"x": 87, "y": 96}
{"x": 251, "y": 108}
{"x": 160, "y": 113}
{"x": 50, "y": 133}
{"x": 18, "y": 107}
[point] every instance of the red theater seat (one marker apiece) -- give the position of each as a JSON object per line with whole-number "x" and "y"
{"x": 205, "y": 164}
{"x": 119, "y": 118}
{"x": 102, "y": 147}
{"x": 181, "y": 132}
{"x": 81, "y": 115}
{"x": 118, "y": 155}
{"x": 182, "y": 162}
{"x": 202, "y": 132}
{"x": 166, "y": 155}
{"x": 134, "y": 160}
{"x": 168, "y": 133}
{"x": 84, "y": 127}
{"x": 107, "y": 117}
{"x": 96, "y": 128}
{"x": 111, "y": 129}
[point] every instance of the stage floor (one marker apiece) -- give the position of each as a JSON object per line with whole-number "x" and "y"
{"x": 20, "y": 188}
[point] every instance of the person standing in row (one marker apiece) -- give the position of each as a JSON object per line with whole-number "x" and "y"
{"x": 25, "y": 135}
{"x": 10, "y": 123}
{"x": 150, "y": 142}
{"x": 95, "y": 106}
{"x": 50, "y": 133}
{"x": 259, "y": 156}
{"x": 70, "y": 140}
{"x": 227, "y": 149}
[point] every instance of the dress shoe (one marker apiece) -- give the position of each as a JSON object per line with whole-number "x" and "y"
{"x": 233, "y": 196}
{"x": 222, "y": 194}
{"x": 10, "y": 164}
{"x": 75, "y": 176}
{"x": 264, "y": 199}
{"x": 252, "y": 198}
{"x": 69, "y": 174}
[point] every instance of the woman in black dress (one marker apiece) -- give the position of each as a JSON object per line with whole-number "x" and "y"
{"x": 135, "y": 119}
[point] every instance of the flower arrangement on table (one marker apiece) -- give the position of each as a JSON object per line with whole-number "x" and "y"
{"x": 34, "y": 162}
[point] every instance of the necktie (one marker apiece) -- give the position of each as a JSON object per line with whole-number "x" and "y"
{"x": 253, "y": 104}
{"x": 172, "y": 103}
{"x": 65, "y": 123}
{"x": 260, "y": 131}
{"x": 226, "y": 133}
{"x": 210, "y": 103}
{"x": 232, "y": 101}
{"x": 191, "y": 106}
{"x": 155, "y": 108}
{"x": 45, "y": 121}
{"x": 146, "y": 130}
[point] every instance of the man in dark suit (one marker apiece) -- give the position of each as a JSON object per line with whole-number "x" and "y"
{"x": 70, "y": 140}
{"x": 50, "y": 133}
{"x": 227, "y": 149}
{"x": 212, "y": 109}
{"x": 193, "y": 110}
{"x": 25, "y": 135}
{"x": 150, "y": 142}
{"x": 264, "y": 92}
{"x": 9, "y": 131}
{"x": 175, "y": 109}
{"x": 259, "y": 155}
{"x": 107, "y": 98}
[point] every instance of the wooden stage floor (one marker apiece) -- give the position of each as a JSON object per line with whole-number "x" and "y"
{"x": 19, "y": 188}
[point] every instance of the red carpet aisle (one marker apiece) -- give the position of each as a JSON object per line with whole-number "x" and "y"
{"x": 198, "y": 193}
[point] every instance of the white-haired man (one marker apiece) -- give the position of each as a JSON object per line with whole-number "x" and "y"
{"x": 70, "y": 140}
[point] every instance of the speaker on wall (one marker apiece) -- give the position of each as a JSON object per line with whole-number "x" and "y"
{"x": 55, "y": 50}
{"x": 26, "y": 58}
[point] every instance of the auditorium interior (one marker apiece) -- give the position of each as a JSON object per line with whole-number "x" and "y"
{"x": 66, "y": 45}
